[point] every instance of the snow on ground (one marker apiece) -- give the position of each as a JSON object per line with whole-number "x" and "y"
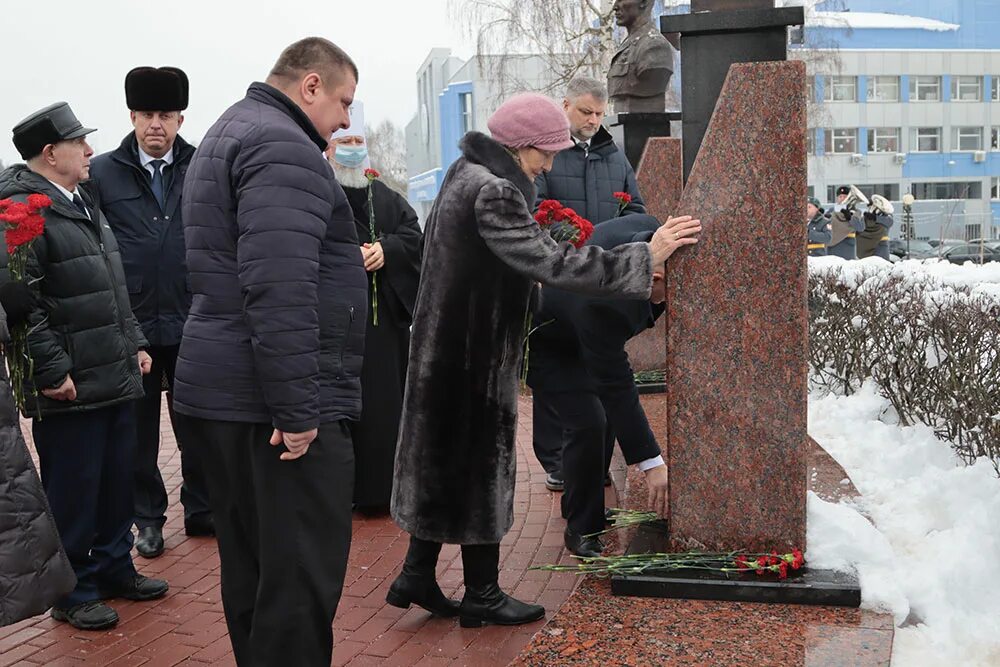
{"x": 984, "y": 276}
{"x": 931, "y": 557}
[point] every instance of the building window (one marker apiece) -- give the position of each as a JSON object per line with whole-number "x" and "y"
{"x": 952, "y": 190}
{"x": 995, "y": 88}
{"x": 883, "y": 140}
{"x": 925, "y": 89}
{"x": 926, "y": 140}
{"x": 967, "y": 139}
{"x": 966, "y": 89}
{"x": 888, "y": 190}
{"x": 842, "y": 140}
{"x": 995, "y": 138}
{"x": 465, "y": 108}
{"x": 883, "y": 89}
{"x": 810, "y": 141}
{"x": 840, "y": 89}
{"x": 995, "y": 188}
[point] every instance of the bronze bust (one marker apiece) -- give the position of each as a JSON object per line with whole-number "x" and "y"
{"x": 643, "y": 64}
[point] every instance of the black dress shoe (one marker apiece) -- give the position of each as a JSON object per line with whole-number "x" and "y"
{"x": 135, "y": 587}
{"x": 149, "y": 544}
{"x": 422, "y": 591}
{"x": 607, "y": 479}
{"x": 202, "y": 525}
{"x": 489, "y": 604}
{"x": 92, "y": 615}
{"x": 554, "y": 483}
{"x": 581, "y": 545}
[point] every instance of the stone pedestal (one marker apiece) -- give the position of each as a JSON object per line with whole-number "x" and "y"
{"x": 660, "y": 182}
{"x": 737, "y": 325}
{"x": 631, "y": 131}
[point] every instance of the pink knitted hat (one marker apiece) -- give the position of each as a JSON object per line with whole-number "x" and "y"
{"x": 530, "y": 119}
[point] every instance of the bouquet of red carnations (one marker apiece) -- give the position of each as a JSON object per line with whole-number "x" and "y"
{"x": 24, "y": 224}
{"x": 563, "y": 224}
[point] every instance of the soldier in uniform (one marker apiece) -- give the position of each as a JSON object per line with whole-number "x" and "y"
{"x": 818, "y": 227}
{"x": 873, "y": 241}
{"x": 643, "y": 64}
{"x": 845, "y": 226}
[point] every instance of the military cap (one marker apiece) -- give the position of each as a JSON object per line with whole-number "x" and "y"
{"x": 50, "y": 125}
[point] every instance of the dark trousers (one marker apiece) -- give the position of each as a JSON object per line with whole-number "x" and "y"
{"x": 480, "y": 562}
{"x": 284, "y": 531}
{"x": 86, "y": 461}
{"x": 588, "y": 443}
{"x": 150, "y": 494}
{"x": 546, "y": 433}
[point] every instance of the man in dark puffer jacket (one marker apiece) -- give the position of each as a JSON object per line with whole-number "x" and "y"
{"x": 585, "y": 178}
{"x": 272, "y": 352}
{"x": 85, "y": 344}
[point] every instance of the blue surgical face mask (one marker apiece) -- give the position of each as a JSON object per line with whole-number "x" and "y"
{"x": 350, "y": 156}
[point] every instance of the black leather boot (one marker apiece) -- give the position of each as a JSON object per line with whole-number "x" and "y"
{"x": 417, "y": 584}
{"x": 484, "y": 602}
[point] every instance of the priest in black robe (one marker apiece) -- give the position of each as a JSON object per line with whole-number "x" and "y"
{"x": 390, "y": 246}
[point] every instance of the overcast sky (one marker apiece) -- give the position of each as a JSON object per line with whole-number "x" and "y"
{"x": 78, "y": 52}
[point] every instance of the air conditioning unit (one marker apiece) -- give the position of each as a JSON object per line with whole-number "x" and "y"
{"x": 899, "y": 158}
{"x": 857, "y": 158}
{"x": 979, "y": 156}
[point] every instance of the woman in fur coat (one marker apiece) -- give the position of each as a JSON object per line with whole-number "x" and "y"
{"x": 454, "y": 472}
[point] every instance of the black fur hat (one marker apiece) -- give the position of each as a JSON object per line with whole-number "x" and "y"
{"x": 156, "y": 89}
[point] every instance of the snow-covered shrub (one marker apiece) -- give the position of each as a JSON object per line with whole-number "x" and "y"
{"x": 927, "y": 333}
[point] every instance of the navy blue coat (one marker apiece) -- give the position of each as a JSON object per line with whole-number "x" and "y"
{"x": 579, "y": 345}
{"x": 151, "y": 239}
{"x": 276, "y": 331}
{"x": 586, "y": 182}
{"x": 818, "y": 235}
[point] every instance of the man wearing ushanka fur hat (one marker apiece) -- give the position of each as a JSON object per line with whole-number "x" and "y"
{"x": 140, "y": 185}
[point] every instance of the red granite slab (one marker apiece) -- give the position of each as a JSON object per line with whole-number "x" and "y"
{"x": 736, "y": 324}
{"x": 660, "y": 181}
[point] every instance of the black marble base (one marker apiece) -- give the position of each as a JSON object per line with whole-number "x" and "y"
{"x": 652, "y": 388}
{"x": 805, "y": 586}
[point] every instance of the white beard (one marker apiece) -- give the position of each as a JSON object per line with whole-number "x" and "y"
{"x": 349, "y": 177}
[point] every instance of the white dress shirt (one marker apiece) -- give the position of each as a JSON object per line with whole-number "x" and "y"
{"x": 69, "y": 195}
{"x": 146, "y": 160}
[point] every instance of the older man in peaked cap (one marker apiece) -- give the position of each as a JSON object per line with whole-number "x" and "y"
{"x": 88, "y": 356}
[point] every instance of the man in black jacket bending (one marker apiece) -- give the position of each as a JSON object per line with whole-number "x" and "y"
{"x": 88, "y": 357}
{"x": 140, "y": 185}
{"x": 584, "y": 374}
{"x": 269, "y": 370}
{"x": 585, "y": 178}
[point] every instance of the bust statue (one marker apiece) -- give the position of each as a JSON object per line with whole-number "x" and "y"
{"x": 643, "y": 63}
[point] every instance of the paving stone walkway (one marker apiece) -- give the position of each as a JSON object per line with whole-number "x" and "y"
{"x": 187, "y": 627}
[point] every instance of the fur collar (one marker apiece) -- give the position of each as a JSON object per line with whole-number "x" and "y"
{"x": 488, "y": 152}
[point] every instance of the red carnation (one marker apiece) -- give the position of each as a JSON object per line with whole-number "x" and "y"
{"x": 797, "y": 559}
{"x": 550, "y": 205}
{"x": 783, "y": 570}
{"x": 37, "y": 201}
{"x": 371, "y": 174}
{"x": 624, "y": 199}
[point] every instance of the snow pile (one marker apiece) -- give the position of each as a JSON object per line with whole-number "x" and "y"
{"x": 931, "y": 561}
{"x": 877, "y": 20}
{"x": 969, "y": 275}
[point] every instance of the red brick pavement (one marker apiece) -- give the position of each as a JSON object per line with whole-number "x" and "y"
{"x": 187, "y": 627}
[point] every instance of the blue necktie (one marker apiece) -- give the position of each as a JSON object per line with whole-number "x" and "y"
{"x": 158, "y": 181}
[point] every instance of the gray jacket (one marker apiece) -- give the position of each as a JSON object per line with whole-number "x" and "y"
{"x": 819, "y": 235}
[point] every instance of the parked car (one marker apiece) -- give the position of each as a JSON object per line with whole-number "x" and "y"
{"x": 918, "y": 249}
{"x": 978, "y": 254}
{"x": 940, "y": 242}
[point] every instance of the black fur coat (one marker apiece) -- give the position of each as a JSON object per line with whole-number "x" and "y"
{"x": 454, "y": 472}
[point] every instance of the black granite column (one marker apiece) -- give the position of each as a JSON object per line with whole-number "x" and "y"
{"x": 715, "y": 35}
